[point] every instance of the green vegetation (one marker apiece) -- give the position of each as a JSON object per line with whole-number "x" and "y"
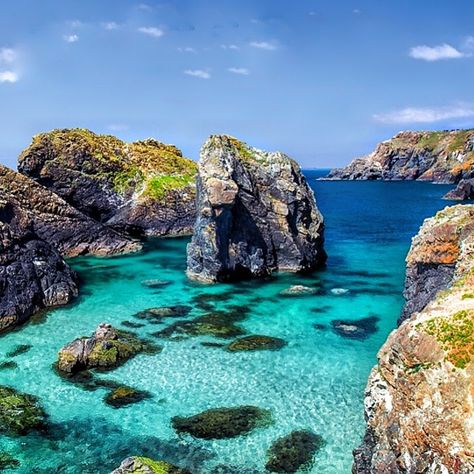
{"x": 8, "y": 462}
{"x": 157, "y": 187}
{"x": 414, "y": 369}
{"x": 143, "y": 465}
{"x": 455, "y": 334}
{"x": 243, "y": 149}
{"x": 128, "y": 178}
{"x": 459, "y": 141}
{"x": 467, "y": 296}
{"x": 431, "y": 140}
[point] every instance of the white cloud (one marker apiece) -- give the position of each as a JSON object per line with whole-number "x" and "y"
{"x": 71, "y": 38}
{"x": 201, "y": 73}
{"x": 230, "y": 46}
{"x": 426, "y": 114}
{"x": 151, "y": 31}
{"x": 7, "y": 55}
{"x": 239, "y": 70}
{"x": 435, "y": 53}
{"x": 9, "y": 76}
{"x": 75, "y": 23}
{"x": 263, "y": 45}
{"x": 187, "y": 49}
{"x": 110, "y": 25}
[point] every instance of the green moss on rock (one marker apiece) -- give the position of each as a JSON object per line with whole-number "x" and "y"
{"x": 20, "y": 413}
{"x": 7, "y": 461}
{"x": 123, "y": 396}
{"x": 143, "y": 465}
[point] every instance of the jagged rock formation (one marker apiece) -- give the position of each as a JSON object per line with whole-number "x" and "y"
{"x": 445, "y": 157}
{"x": 33, "y": 274}
{"x": 143, "y": 465}
{"x": 419, "y": 399}
{"x": 144, "y": 187}
{"x": 464, "y": 191}
{"x": 53, "y": 220}
{"x": 256, "y": 214}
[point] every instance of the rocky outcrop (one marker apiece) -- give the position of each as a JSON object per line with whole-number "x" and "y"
{"x": 53, "y": 220}
{"x": 445, "y": 157}
{"x": 33, "y": 275}
{"x": 256, "y": 215}
{"x": 144, "y": 187}
{"x": 464, "y": 191}
{"x": 106, "y": 348}
{"x": 143, "y": 465}
{"x": 419, "y": 400}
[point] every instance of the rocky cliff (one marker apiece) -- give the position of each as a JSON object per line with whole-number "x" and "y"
{"x": 464, "y": 191}
{"x": 445, "y": 157}
{"x": 33, "y": 275}
{"x": 53, "y": 220}
{"x": 256, "y": 215}
{"x": 419, "y": 400}
{"x": 144, "y": 187}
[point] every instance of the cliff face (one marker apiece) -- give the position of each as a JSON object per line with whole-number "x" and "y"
{"x": 419, "y": 401}
{"x": 33, "y": 275}
{"x": 53, "y": 220}
{"x": 256, "y": 214}
{"x": 144, "y": 187}
{"x": 445, "y": 157}
{"x": 464, "y": 191}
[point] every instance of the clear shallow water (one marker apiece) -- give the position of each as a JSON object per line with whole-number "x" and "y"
{"x": 316, "y": 382}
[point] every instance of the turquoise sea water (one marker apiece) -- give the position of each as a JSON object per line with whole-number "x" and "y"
{"x": 316, "y": 381}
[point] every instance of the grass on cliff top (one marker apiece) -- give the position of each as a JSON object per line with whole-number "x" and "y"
{"x": 157, "y": 187}
{"x": 455, "y": 334}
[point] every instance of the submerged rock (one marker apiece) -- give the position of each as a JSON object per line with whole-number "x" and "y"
{"x": 418, "y": 401}
{"x": 298, "y": 290}
{"x": 55, "y": 221}
{"x": 427, "y": 156}
{"x": 19, "y": 350}
{"x": 220, "y": 423}
{"x": 142, "y": 465}
{"x": 161, "y": 312}
{"x": 123, "y": 396}
{"x": 294, "y": 451}
{"x": 464, "y": 191}
{"x": 9, "y": 364}
{"x": 7, "y": 461}
{"x": 20, "y": 413}
{"x": 356, "y": 329}
{"x": 33, "y": 275}
{"x": 256, "y": 215}
{"x": 256, "y": 343}
{"x": 156, "y": 283}
{"x": 144, "y": 187}
{"x": 107, "y": 348}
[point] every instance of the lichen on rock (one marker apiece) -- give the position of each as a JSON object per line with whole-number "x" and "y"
{"x": 145, "y": 187}
{"x": 256, "y": 215}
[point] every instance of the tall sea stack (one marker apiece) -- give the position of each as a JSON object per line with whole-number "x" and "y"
{"x": 255, "y": 214}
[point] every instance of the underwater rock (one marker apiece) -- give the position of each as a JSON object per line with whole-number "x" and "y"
{"x": 56, "y": 222}
{"x": 156, "y": 283}
{"x": 220, "y": 423}
{"x": 7, "y": 461}
{"x": 33, "y": 275}
{"x": 356, "y": 329}
{"x": 339, "y": 291}
{"x": 464, "y": 191}
{"x": 256, "y": 343}
{"x": 107, "y": 348}
{"x": 20, "y": 413}
{"x": 256, "y": 215}
{"x": 123, "y": 396}
{"x": 418, "y": 400}
{"x": 212, "y": 344}
{"x": 298, "y": 290}
{"x": 445, "y": 157}
{"x": 221, "y": 324}
{"x": 150, "y": 314}
{"x": 145, "y": 187}
{"x": 142, "y": 465}
{"x": 88, "y": 381}
{"x": 294, "y": 451}
{"x": 131, "y": 324}
{"x": 9, "y": 364}
{"x": 18, "y": 350}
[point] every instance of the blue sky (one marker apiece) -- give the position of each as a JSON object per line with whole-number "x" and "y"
{"x": 323, "y": 81}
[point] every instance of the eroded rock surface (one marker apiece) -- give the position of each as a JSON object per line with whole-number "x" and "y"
{"x": 464, "y": 191}
{"x": 256, "y": 215}
{"x": 144, "y": 187}
{"x": 444, "y": 157}
{"x": 419, "y": 406}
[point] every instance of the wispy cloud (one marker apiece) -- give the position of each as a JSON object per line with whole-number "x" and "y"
{"x": 230, "y": 46}
{"x": 201, "y": 73}
{"x": 75, "y": 23}
{"x": 263, "y": 45}
{"x": 436, "y": 53}
{"x": 144, "y": 6}
{"x": 7, "y": 55}
{"x": 151, "y": 31}
{"x": 187, "y": 49}
{"x": 239, "y": 70}
{"x": 426, "y": 114}
{"x": 110, "y": 25}
{"x": 117, "y": 127}
{"x": 9, "y": 76}
{"x": 356, "y": 11}
{"x": 71, "y": 38}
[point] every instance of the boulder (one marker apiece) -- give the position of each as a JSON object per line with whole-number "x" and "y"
{"x": 142, "y": 465}
{"x": 255, "y": 215}
{"x": 464, "y": 191}
{"x": 144, "y": 187}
